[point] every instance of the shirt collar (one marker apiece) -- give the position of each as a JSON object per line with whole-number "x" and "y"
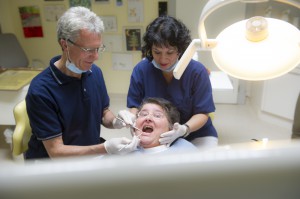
{"x": 60, "y": 77}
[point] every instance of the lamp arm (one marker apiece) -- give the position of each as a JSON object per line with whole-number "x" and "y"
{"x": 210, "y": 7}
{"x": 213, "y": 5}
{"x": 186, "y": 58}
{"x": 290, "y": 2}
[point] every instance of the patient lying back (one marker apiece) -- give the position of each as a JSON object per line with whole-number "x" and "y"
{"x": 154, "y": 117}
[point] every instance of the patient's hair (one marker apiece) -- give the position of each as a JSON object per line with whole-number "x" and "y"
{"x": 171, "y": 111}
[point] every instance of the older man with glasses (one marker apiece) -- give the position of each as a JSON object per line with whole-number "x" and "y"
{"x": 68, "y": 101}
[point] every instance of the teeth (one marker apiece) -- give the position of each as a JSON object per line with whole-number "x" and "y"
{"x": 147, "y": 127}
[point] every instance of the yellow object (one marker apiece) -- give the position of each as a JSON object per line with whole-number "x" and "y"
{"x": 212, "y": 115}
{"x": 22, "y": 131}
{"x": 15, "y": 79}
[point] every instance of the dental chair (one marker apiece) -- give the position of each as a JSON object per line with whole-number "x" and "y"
{"x": 212, "y": 115}
{"x": 12, "y": 54}
{"x": 22, "y": 131}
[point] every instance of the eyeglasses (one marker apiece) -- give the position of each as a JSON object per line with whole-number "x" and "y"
{"x": 156, "y": 115}
{"x": 88, "y": 50}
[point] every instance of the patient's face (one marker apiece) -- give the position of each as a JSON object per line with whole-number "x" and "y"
{"x": 152, "y": 120}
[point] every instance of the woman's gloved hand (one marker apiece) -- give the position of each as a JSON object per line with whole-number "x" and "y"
{"x": 122, "y": 145}
{"x": 126, "y": 116}
{"x": 178, "y": 131}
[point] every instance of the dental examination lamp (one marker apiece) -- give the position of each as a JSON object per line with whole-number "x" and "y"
{"x": 255, "y": 49}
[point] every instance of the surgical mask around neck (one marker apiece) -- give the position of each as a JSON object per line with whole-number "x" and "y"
{"x": 156, "y": 65}
{"x": 74, "y": 68}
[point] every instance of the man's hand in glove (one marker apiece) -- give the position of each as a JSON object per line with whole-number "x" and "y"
{"x": 127, "y": 117}
{"x": 121, "y": 145}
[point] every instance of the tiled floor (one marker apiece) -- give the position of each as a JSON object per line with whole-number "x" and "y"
{"x": 234, "y": 123}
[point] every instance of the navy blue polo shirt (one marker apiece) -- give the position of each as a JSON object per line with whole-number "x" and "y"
{"x": 60, "y": 105}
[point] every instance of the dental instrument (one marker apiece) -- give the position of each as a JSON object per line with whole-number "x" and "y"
{"x": 131, "y": 125}
{"x": 129, "y": 143}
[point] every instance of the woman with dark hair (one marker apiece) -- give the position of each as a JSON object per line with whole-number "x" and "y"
{"x": 165, "y": 40}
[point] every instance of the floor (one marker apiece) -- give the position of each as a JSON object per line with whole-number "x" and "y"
{"x": 234, "y": 123}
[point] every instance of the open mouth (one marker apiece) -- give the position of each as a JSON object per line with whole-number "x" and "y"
{"x": 147, "y": 129}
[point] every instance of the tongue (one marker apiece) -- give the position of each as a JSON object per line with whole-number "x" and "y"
{"x": 147, "y": 130}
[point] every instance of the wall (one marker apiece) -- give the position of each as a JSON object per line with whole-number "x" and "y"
{"x": 5, "y": 19}
{"x": 45, "y": 48}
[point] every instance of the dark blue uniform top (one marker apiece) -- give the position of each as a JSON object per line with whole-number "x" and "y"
{"x": 58, "y": 104}
{"x": 191, "y": 94}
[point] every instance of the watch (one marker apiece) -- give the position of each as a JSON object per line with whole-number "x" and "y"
{"x": 187, "y": 130}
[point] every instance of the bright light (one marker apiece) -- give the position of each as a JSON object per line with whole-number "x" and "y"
{"x": 274, "y": 56}
{"x": 242, "y": 53}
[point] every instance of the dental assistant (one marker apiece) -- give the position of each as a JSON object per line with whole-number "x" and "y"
{"x": 165, "y": 40}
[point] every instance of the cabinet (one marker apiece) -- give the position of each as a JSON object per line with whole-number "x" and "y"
{"x": 280, "y": 95}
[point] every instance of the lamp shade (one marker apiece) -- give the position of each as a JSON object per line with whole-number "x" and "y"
{"x": 276, "y": 53}
{"x": 254, "y": 49}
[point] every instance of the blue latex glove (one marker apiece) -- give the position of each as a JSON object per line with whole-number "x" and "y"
{"x": 168, "y": 137}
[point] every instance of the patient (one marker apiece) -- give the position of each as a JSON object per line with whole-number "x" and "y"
{"x": 154, "y": 117}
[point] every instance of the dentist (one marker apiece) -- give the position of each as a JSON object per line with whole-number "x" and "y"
{"x": 68, "y": 101}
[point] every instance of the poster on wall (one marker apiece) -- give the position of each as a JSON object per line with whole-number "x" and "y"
{"x": 84, "y": 3}
{"x": 122, "y": 61}
{"x": 113, "y": 43}
{"x": 133, "y": 38}
{"x": 101, "y": 1}
{"x": 119, "y": 2}
{"x": 110, "y": 23}
{"x": 31, "y": 21}
{"x": 53, "y": 12}
{"x": 135, "y": 11}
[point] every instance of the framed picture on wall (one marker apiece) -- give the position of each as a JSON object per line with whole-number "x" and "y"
{"x": 110, "y": 23}
{"x": 54, "y": 12}
{"x": 132, "y": 38}
{"x": 31, "y": 21}
{"x": 135, "y": 11}
{"x": 84, "y": 3}
{"x": 101, "y": 1}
